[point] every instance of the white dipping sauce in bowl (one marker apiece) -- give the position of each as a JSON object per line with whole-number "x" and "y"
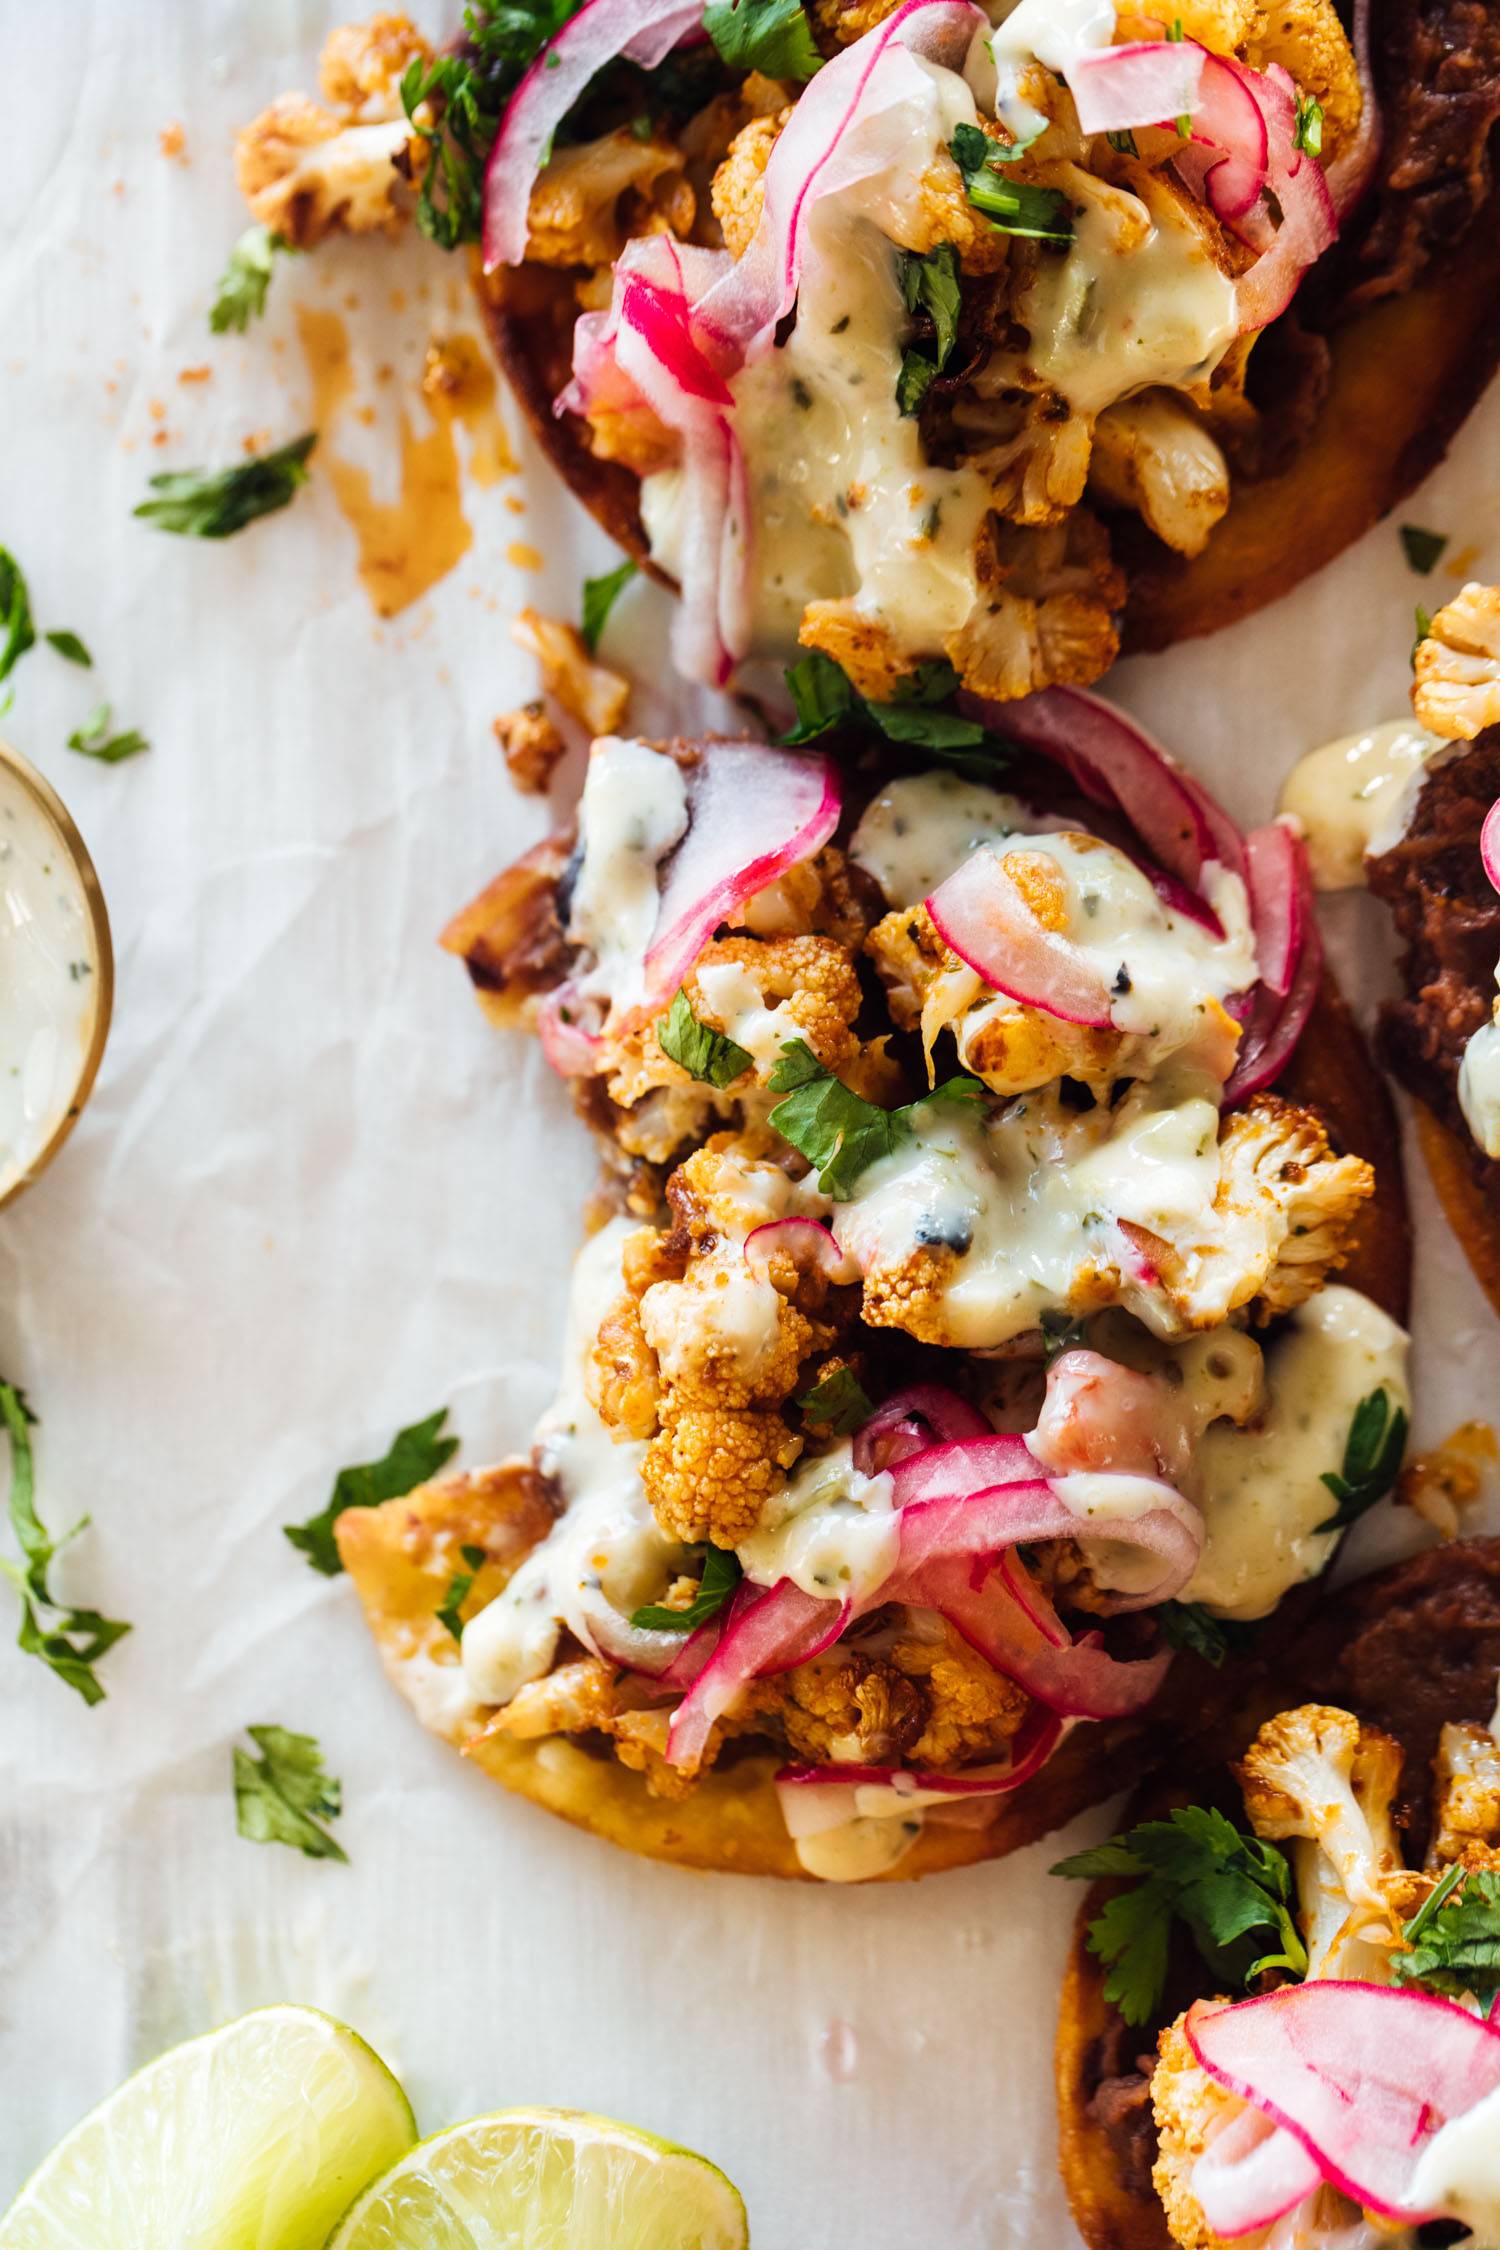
{"x": 56, "y": 973}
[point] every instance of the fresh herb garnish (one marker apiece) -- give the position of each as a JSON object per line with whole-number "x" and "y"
{"x": 1424, "y": 628}
{"x": 1232, "y": 1891}
{"x": 721, "y": 1574}
{"x": 69, "y": 1642}
{"x": 415, "y": 1455}
{"x": 837, "y": 1404}
{"x": 913, "y": 382}
{"x": 1188, "y": 1625}
{"x": 822, "y": 695}
{"x": 68, "y": 645}
{"x": 1424, "y": 550}
{"x": 1123, "y": 143}
{"x": 599, "y": 598}
{"x": 1372, "y": 1459}
{"x": 216, "y": 503}
{"x": 17, "y": 633}
{"x": 771, "y": 36}
{"x": 710, "y": 1056}
{"x": 1059, "y": 1333}
{"x": 240, "y": 296}
{"x": 461, "y": 97}
{"x": 1309, "y": 133}
{"x": 94, "y": 740}
{"x": 1175, "y": 34}
{"x": 930, "y": 284}
{"x": 837, "y": 1130}
{"x": 1454, "y": 1937}
{"x": 1014, "y": 206}
{"x": 457, "y": 1591}
{"x": 280, "y": 1797}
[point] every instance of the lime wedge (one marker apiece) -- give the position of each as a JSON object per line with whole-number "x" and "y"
{"x": 256, "y": 2137}
{"x": 547, "y": 2179}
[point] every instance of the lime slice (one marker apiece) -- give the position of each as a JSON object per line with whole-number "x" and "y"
{"x": 256, "y": 2137}
{"x": 547, "y": 2179}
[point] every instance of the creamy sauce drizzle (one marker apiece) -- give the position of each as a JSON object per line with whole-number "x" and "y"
{"x": 832, "y": 1531}
{"x": 923, "y": 826}
{"x": 634, "y": 810}
{"x": 49, "y": 981}
{"x": 1260, "y": 1488}
{"x": 1353, "y": 797}
{"x": 1479, "y": 1083}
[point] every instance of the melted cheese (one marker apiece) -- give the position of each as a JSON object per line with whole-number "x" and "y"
{"x": 1260, "y": 1488}
{"x": 606, "y": 1538}
{"x": 831, "y": 1530}
{"x": 1353, "y": 797}
{"x": 634, "y": 810}
{"x": 923, "y": 826}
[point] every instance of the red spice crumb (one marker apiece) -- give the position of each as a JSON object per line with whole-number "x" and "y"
{"x": 195, "y": 375}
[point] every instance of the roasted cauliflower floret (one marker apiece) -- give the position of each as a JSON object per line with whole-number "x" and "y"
{"x": 588, "y": 1697}
{"x": 848, "y": 20}
{"x": 929, "y": 1701}
{"x": 865, "y": 648}
{"x": 1190, "y": 2111}
{"x": 1152, "y": 454}
{"x": 972, "y": 1710}
{"x": 305, "y": 175}
{"x": 725, "y": 1335}
{"x": 530, "y": 745}
{"x": 591, "y": 197}
{"x": 711, "y": 1471}
{"x": 805, "y": 987}
{"x": 1466, "y": 1798}
{"x": 740, "y": 182}
{"x": 1317, "y": 1776}
{"x": 1306, "y": 38}
{"x": 1283, "y": 1214}
{"x": 1457, "y": 688}
{"x": 363, "y": 64}
{"x": 1044, "y": 615}
{"x": 589, "y": 692}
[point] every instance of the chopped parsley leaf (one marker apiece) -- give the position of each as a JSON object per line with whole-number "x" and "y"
{"x": 1454, "y": 1937}
{"x": 461, "y": 97}
{"x": 1372, "y": 1459}
{"x": 913, "y": 382}
{"x": 17, "y": 633}
{"x": 721, "y": 1575}
{"x": 837, "y": 1130}
{"x": 822, "y": 696}
{"x": 458, "y": 1590}
{"x": 94, "y": 740}
{"x": 710, "y": 1056}
{"x": 837, "y": 1404}
{"x": 599, "y": 598}
{"x": 1123, "y": 143}
{"x": 414, "y": 1456}
{"x": 216, "y": 503}
{"x": 1059, "y": 1334}
{"x": 280, "y": 1797}
{"x": 1424, "y": 628}
{"x": 1188, "y": 1625}
{"x": 70, "y": 647}
{"x": 1014, "y": 206}
{"x": 241, "y": 293}
{"x": 771, "y": 36}
{"x": 1424, "y": 551}
{"x": 1232, "y": 1891}
{"x": 930, "y": 284}
{"x": 69, "y": 1642}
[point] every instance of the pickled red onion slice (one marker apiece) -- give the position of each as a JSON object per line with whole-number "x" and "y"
{"x": 1489, "y": 843}
{"x": 903, "y": 1417}
{"x": 1252, "y": 2172}
{"x": 981, "y": 915}
{"x": 1144, "y": 82}
{"x": 808, "y": 1242}
{"x": 775, "y": 1630}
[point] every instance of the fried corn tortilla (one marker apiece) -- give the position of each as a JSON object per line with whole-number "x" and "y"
{"x": 1405, "y": 1649}
{"x": 403, "y": 1556}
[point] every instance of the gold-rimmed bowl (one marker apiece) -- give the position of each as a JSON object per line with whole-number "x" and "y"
{"x": 21, "y": 784}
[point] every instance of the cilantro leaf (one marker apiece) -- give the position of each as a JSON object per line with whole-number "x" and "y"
{"x": 710, "y": 1056}
{"x": 821, "y": 696}
{"x": 415, "y": 1455}
{"x": 216, "y": 503}
{"x": 240, "y": 295}
{"x": 913, "y": 382}
{"x": 837, "y": 1403}
{"x": 1424, "y": 551}
{"x": 68, "y": 645}
{"x": 930, "y": 284}
{"x": 932, "y": 730}
{"x": 455, "y": 102}
{"x": 1123, "y": 143}
{"x": 94, "y": 740}
{"x": 17, "y": 633}
{"x": 1373, "y": 1452}
{"x": 1455, "y": 1937}
{"x": 721, "y": 1575}
{"x": 280, "y": 1797}
{"x": 1424, "y": 629}
{"x": 837, "y": 1130}
{"x": 69, "y": 1641}
{"x": 1188, "y": 1625}
{"x": 1309, "y": 133}
{"x": 457, "y": 1591}
{"x": 1059, "y": 1334}
{"x": 1232, "y": 1892}
{"x": 771, "y": 36}
{"x": 599, "y": 598}
{"x": 1013, "y": 206}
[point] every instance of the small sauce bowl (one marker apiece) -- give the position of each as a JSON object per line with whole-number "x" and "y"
{"x": 57, "y": 973}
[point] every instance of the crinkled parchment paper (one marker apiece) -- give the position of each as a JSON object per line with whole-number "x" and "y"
{"x": 316, "y": 1196}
